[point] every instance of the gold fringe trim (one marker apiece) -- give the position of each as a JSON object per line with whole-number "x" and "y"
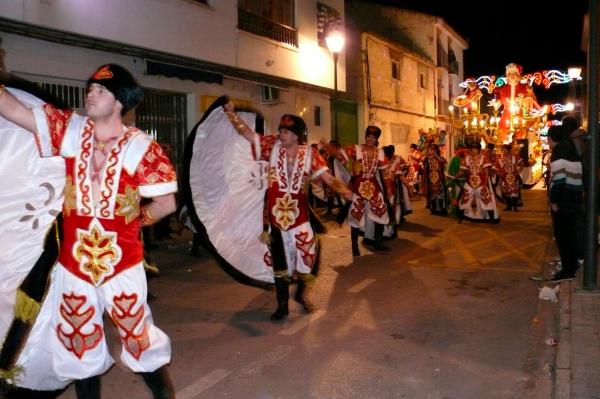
{"x": 10, "y": 377}
{"x": 281, "y": 274}
{"x": 307, "y": 278}
{"x": 150, "y": 268}
{"x": 26, "y": 308}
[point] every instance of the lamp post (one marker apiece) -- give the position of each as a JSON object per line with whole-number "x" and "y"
{"x": 335, "y": 43}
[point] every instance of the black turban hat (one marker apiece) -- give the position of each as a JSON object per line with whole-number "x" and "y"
{"x": 120, "y": 82}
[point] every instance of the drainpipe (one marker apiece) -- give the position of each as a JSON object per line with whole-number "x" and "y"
{"x": 591, "y": 189}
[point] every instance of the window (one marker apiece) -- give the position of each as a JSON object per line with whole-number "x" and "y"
{"x": 317, "y": 115}
{"x": 274, "y": 19}
{"x": 327, "y": 18}
{"x": 163, "y": 115}
{"x": 423, "y": 74}
{"x": 395, "y": 70}
{"x": 396, "y": 60}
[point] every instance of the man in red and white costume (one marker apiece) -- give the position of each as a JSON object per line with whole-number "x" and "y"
{"x": 509, "y": 167}
{"x": 109, "y": 168}
{"x": 368, "y": 202}
{"x": 477, "y": 202}
{"x": 292, "y": 242}
{"x": 414, "y": 159}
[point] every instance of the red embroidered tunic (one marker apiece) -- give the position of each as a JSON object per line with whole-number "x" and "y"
{"x": 102, "y": 238}
{"x": 509, "y": 168}
{"x": 368, "y": 196}
{"x": 287, "y": 193}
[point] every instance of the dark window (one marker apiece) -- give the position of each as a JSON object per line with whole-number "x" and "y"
{"x": 395, "y": 70}
{"x": 163, "y": 115}
{"x": 317, "y": 115}
{"x": 274, "y": 19}
{"x": 327, "y": 18}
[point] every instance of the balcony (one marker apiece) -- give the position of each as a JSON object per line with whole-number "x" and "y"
{"x": 265, "y": 27}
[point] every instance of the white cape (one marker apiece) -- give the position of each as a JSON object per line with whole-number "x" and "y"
{"x": 228, "y": 188}
{"x": 31, "y": 195}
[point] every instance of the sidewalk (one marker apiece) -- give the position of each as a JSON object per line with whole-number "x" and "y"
{"x": 578, "y": 352}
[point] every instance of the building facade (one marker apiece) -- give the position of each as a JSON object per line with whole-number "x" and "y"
{"x": 403, "y": 70}
{"x": 266, "y": 55}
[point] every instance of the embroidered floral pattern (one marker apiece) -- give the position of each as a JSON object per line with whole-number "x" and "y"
{"x": 110, "y": 185}
{"x": 299, "y": 169}
{"x": 70, "y": 196}
{"x": 366, "y": 189}
{"x": 58, "y": 120}
{"x": 286, "y": 211}
{"x": 97, "y": 252}
{"x": 128, "y": 321}
{"x": 71, "y": 311}
{"x": 306, "y": 245}
{"x": 128, "y": 204}
{"x": 369, "y": 161}
{"x": 474, "y": 181}
{"x": 157, "y": 167}
{"x": 358, "y": 208}
{"x": 377, "y": 206}
{"x": 83, "y": 163}
{"x": 268, "y": 259}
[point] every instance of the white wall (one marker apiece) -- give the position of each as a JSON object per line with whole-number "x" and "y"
{"x": 190, "y": 29}
{"x": 59, "y": 63}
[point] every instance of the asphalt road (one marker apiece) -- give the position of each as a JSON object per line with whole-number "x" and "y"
{"x": 449, "y": 313}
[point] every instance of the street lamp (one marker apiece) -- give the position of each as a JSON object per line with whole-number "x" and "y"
{"x": 335, "y": 43}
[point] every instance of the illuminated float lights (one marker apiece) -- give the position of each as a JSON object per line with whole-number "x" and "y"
{"x": 546, "y": 78}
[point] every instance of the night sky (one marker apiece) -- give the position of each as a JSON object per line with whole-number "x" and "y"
{"x": 538, "y": 35}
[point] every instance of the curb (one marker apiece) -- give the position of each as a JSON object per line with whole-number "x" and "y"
{"x": 562, "y": 379}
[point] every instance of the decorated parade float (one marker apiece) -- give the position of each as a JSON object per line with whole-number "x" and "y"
{"x": 504, "y": 109}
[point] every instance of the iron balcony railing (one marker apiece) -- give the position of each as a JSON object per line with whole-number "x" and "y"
{"x": 265, "y": 27}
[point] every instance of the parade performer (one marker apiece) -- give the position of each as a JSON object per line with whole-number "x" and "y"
{"x": 336, "y": 161}
{"x": 454, "y": 181}
{"x": 434, "y": 167}
{"x": 509, "y": 166}
{"x": 401, "y": 173}
{"x": 368, "y": 209}
{"x": 292, "y": 164}
{"x": 414, "y": 168}
{"x": 477, "y": 201}
{"x": 109, "y": 167}
{"x": 393, "y": 188}
{"x": 518, "y": 100}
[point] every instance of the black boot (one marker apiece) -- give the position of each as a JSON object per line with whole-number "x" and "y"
{"x": 282, "y": 294}
{"x": 377, "y": 245}
{"x": 13, "y": 392}
{"x": 509, "y": 203}
{"x": 515, "y": 205}
{"x": 88, "y": 388}
{"x": 160, "y": 383}
{"x": 354, "y": 240}
{"x": 195, "y": 251}
{"x": 306, "y": 283}
{"x": 491, "y": 216}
